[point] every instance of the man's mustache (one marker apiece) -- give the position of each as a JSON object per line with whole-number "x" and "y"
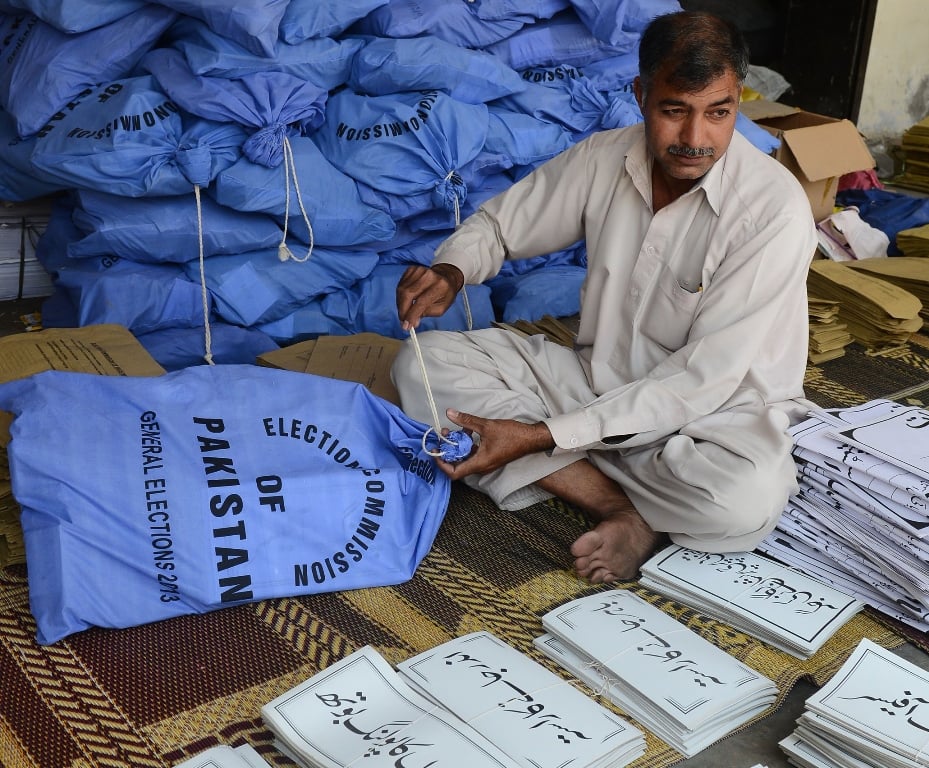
{"x": 677, "y": 149}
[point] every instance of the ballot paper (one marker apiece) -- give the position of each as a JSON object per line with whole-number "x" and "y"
{"x": 359, "y": 710}
{"x": 874, "y": 711}
{"x": 224, "y": 756}
{"x": 668, "y": 678}
{"x": 536, "y": 717}
{"x": 779, "y": 605}
{"x": 860, "y": 521}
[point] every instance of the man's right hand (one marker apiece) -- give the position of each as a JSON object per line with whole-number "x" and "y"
{"x": 427, "y": 292}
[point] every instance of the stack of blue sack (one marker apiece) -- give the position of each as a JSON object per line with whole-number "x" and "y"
{"x": 230, "y": 179}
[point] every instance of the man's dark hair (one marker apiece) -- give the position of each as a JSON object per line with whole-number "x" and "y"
{"x": 691, "y": 49}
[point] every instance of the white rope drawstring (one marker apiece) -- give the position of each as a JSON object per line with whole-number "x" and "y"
{"x": 204, "y": 294}
{"x": 436, "y": 425}
{"x": 290, "y": 173}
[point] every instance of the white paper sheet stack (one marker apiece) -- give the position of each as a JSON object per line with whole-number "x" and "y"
{"x": 536, "y": 717}
{"x": 777, "y": 604}
{"x": 874, "y": 713}
{"x": 681, "y": 687}
{"x": 860, "y": 521}
{"x": 224, "y": 756}
{"x": 359, "y": 711}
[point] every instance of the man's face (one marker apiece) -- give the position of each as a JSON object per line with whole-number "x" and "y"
{"x": 687, "y": 132}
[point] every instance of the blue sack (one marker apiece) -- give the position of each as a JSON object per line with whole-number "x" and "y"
{"x": 45, "y": 69}
{"x": 528, "y": 12}
{"x": 385, "y": 66}
{"x": 758, "y": 136}
{"x": 370, "y": 306}
{"x": 75, "y": 16}
{"x": 406, "y": 143}
{"x": 888, "y": 211}
{"x": 614, "y": 21}
{"x": 19, "y": 180}
{"x": 257, "y": 287}
{"x": 128, "y": 138}
{"x": 308, "y": 19}
{"x": 211, "y": 487}
{"x": 450, "y": 20}
{"x": 176, "y": 348}
{"x": 271, "y": 105}
{"x": 332, "y": 201}
{"x": 562, "y": 40}
{"x": 253, "y": 24}
{"x": 323, "y": 62}
{"x": 107, "y": 289}
{"x": 523, "y": 138}
{"x": 164, "y": 229}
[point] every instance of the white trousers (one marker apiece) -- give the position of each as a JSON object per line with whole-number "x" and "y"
{"x": 717, "y": 485}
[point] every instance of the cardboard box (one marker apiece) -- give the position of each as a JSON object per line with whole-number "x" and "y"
{"x": 815, "y": 148}
{"x": 364, "y": 358}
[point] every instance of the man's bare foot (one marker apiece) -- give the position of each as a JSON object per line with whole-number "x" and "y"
{"x": 614, "y": 549}
{"x": 620, "y": 541}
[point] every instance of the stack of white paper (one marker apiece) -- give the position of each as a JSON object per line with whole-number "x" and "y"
{"x": 874, "y": 712}
{"x": 225, "y": 756}
{"x": 861, "y": 519}
{"x": 762, "y": 598}
{"x": 530, "y": 713}
{"x": 681, "y": 687}
{"x": 359, "y": 711}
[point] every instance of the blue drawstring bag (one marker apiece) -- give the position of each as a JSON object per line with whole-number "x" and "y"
{"x": 271, "y": 105}
{"x": 107, "y": 289}
{"x": 758, "y": 136}
{"x": 357, "y": 310}
{"x": 478, "y": 193}
{"x": 309, "y": 19}
{"x": 19, "y": 180}
{"x": 74, "y": 16}
{"x": 386, "y": 66}
{"x": 450, "y": 20}
{"x": 332, "y": 201}
{"x": 371, "y": 305}
{"x": 44, "y": 69}
{"x": 177, "y": 348}
{"x": 253, "y": 288}
{"x": 528, "y": 12}
{"x": 252, "y": 24}
{"x": 323, "y": 62}
{"x": 164, "y": 229}
{"x": 128, "y": 138}
{"x": 562, "y": 40}
{"x": 211, "y": 487}
{"x": 886, "y": 210}
{"x": 406, "y": 143}
{"x": 613, "y": 21}
{"x": 523, "y": 138}
{"x": 615, "y": 73}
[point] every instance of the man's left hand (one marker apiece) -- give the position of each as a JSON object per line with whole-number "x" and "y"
{"x": 497, "y": 441}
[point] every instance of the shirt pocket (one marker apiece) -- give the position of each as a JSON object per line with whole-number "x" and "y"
{"x": 666, "y": 317}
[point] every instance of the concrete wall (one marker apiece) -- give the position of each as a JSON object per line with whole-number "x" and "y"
{"x": 896, "y": 85}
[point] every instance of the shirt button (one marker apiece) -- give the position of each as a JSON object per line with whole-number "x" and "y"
{"x": 650, "y": 250}
{"x": 574, "y": 442}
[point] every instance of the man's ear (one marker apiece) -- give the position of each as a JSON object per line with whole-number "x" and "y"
{"x": 638, "y": 91}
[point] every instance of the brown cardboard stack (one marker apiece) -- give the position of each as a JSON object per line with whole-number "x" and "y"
{"x": 915, "y": 150}
{"x": 102, "y": 349}
{"x": 878, "y": 314}
{"x": 908, "y": 272}
{"x": 914, "y": 241}
{"x": 828, "y": 334}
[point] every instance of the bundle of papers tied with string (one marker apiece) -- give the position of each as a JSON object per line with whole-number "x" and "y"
{"x": 877, "y": 313}
{"x": 682, "y": 688}
{"x": 474, "y": 701}
{"x": 873, "y": 712}
{"x": 911, "y": 273}
{"x": 776, "y": 604}
{"x": 860, "y": 521}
